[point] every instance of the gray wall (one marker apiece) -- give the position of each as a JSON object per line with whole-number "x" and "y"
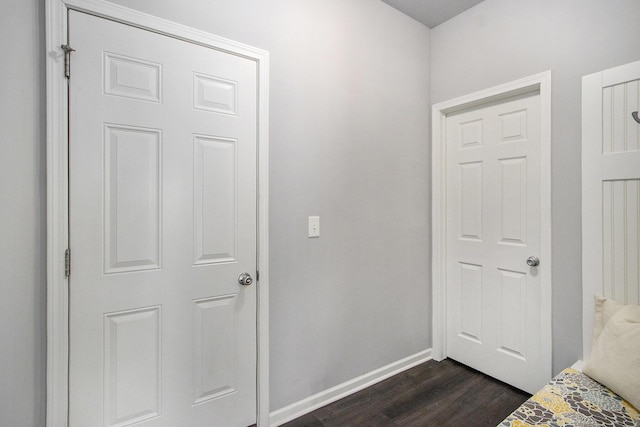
{"x": 22, "y": 215}
{"x": 349, "y": 142}
{"x": 502, "y": 40}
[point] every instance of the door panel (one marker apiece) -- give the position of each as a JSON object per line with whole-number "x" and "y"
{"x": 132, "y": 167}
{"x": 493, "y": 224}
{"x": 162, "y": 222}
{"x": 132, "y": 366}
{"x": 215, "y": 189}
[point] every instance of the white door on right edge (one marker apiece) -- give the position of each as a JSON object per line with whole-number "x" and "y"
{"x": 610, "y": 189}
{"x": 493, "y": 227}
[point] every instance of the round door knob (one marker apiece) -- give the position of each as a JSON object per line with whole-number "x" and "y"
{"x": 245, "y": 279}
{"x": 533, "y": 261}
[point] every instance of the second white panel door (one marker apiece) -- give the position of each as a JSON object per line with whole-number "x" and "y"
{"x": 493, "y": 227}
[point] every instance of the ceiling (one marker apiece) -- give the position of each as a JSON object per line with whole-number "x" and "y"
{"x": 432, "y": 12}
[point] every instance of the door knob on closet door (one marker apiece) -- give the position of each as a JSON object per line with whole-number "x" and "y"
{"x": 533, "y": 261}
{"x": 245, "y": 279}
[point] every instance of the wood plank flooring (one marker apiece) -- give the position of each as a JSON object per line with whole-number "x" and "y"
{"x": 438, "y": 394}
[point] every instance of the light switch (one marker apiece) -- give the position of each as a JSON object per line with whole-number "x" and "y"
{"x": 314, "y": 226}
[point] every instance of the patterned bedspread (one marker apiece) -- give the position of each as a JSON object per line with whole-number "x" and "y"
{"x": 572, "y": 399}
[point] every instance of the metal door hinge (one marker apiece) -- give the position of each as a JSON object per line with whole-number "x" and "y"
{"x": 67, "y": 263}
{"x": 67, "y": 59}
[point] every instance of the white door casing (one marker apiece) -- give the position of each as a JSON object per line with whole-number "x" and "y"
{"x": 491, "y": 211}
{"x": 155, "y": 312}
{"x": 610, "y": 190}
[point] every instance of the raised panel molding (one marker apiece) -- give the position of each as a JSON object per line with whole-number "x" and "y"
{"x": 215, "y": 199}
{"x": 471, "y": 300}
{"x": 214, "y": 348}
{"x": 132, "y": 77}
{"x": 133, "y": 198}
{"x": 471, "y": 195}
{"x": 512, "y": 220}
{"x": 512, "y": 313}
{"x": 513, "y": 126}
{"x": 132, "y": 366}
{"x": 471, "y": 134}
{"x": 215, "y": 94}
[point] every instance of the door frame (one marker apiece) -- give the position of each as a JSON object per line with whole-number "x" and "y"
{"x": 541, "y": 82}
{"x": 58, "y": 197}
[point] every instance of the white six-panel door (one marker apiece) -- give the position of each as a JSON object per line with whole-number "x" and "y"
{"x": 162, "y": 222}
{"x": 493, "y": 222}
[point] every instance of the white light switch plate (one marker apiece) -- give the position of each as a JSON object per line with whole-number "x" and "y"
{"x": 314, "y": 226}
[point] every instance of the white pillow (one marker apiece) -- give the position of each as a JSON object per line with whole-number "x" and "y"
{"x": 615, "y": 358}
{"x": 605, "y": 308}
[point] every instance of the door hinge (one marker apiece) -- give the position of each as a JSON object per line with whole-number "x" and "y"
{"x": 257, "y": 276}
{"x": 67, "y": 263}
{"x": 67, "y": 59}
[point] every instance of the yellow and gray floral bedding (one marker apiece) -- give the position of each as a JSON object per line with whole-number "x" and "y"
{"x": 572, "y": 399}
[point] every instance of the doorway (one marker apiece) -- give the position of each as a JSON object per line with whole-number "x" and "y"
{"x": 491, "y": 226}
{"x": 156, "y": 131}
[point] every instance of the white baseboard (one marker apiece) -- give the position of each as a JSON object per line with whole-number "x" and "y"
{"x": 302, "y": 407}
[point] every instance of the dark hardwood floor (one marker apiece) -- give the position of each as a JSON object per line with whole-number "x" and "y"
{"x": 438, "y": 394}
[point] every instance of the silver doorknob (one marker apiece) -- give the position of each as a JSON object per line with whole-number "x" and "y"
{"x": 533, "y": 261}
{"x": 245, "y": 279}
